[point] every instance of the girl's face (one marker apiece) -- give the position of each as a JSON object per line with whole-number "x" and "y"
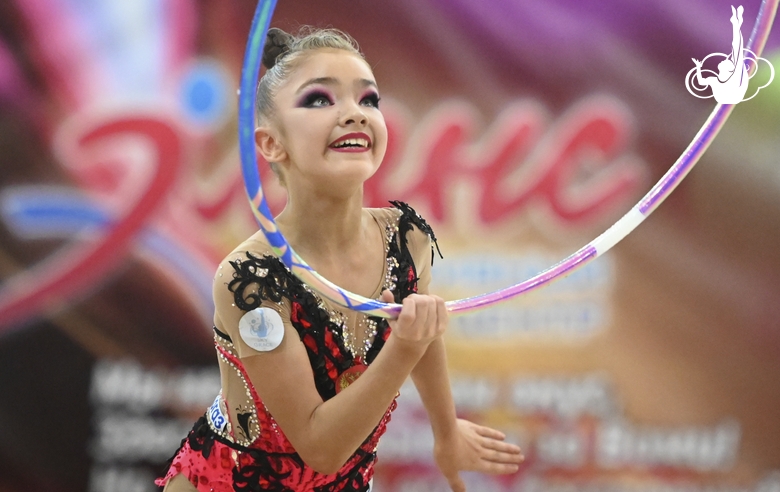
{"x": 327, "y": 129}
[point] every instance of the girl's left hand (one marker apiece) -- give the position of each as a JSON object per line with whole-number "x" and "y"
{"x": 475, "y": 448}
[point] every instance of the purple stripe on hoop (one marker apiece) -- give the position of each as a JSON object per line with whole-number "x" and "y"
{"x": 711, "y": 128}
{"x": 685, "y": 163}
{"x": 588, "y": 253}
{"x": 565, "y": 267}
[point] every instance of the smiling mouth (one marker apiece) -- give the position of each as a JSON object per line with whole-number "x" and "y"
{"x": 354, "y": 143}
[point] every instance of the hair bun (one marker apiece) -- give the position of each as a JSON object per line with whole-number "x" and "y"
{"x": 277, "y": 43}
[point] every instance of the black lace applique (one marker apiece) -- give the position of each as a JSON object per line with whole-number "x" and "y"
{"x": 201, "y": 438}
{"x": 409, "y": 217}
{"x": 253, "y": 273}
{"x": 259, "y": 471}
{"x": 354, "y": 480}
{"x": 258, "y": 474}
{"x": 243, "y": 421}
{"x": 273, "y": 281}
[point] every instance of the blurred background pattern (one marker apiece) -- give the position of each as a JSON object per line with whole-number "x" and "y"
{"x": 519, "y": 129}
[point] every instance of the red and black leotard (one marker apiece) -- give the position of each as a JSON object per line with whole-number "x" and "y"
{"x": 237, "y": 445}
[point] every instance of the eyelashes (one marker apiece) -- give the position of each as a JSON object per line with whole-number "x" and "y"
{"x": 316, "y": 99}
{"x": 371, "y": 100}
{"x": 320, "y": 99}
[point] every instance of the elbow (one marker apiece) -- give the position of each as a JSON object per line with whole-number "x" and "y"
{"x": 323, "y": 449}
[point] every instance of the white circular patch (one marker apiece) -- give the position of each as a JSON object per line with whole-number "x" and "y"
{"x": 262, "y": 329}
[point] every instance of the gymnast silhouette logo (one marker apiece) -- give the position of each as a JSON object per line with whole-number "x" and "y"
{"x": 258, "y": 325}
{"x": 730, "y": 84}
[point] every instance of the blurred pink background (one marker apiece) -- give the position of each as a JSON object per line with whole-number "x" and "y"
{"x": 519, "y": 129}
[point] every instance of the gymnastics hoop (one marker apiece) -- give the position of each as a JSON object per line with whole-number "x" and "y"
{"x": 586, "y": 254}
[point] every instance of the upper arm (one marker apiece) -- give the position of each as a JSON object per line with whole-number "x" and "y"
{"x": 282, "y": 375}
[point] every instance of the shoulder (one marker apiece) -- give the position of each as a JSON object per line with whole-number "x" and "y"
{"x": 248, "y": 273}
{"x": 409, "y": 219}
{"x": 255, "y": 250}
{"x": 256, "y": 244}
{"x": 410, "y": 243}
{"x": 413, "y": 229}
{"x": 401, "y": 215}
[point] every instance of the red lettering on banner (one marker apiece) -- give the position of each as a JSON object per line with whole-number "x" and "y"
{"x": 589, "y": 168}
{"x": 579, "y": 167}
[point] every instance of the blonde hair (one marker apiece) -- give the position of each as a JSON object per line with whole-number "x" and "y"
{"x": 283, "y": 51}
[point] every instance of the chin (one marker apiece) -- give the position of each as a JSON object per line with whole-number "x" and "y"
{"x": 354, "y": 171}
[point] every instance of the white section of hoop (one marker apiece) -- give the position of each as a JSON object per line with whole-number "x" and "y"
{"x": 618, "y": 231}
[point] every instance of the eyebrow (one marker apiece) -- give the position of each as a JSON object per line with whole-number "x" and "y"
{"x": 333, "y": 81}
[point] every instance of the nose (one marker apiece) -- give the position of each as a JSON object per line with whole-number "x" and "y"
{"x": 353, "y": 115}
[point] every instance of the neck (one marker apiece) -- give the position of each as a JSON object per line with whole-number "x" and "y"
{"x": 323, "y": 226}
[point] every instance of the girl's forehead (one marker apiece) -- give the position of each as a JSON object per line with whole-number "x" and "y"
{"x": 337, "y": 66}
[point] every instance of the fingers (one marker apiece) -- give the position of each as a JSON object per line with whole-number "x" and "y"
{"x": 501, "y": 453}
{"x": 432, "y": 320}
{"x": 494, "y": 440}
{"x": 501, "y": 446}
{"x": 505, "y": 456}
{"x": 422, "y": 315}
{"x": 422, "y": 318}
{"x": 497, "y": 452}
{"x": 497, "y": 468}
{"x": 387, "y": 296}
{"x": 456, "y": 483}
{"x": 408, "y": 314}
{"x": 442, "y": 316}
{"x": 489, "y": 432}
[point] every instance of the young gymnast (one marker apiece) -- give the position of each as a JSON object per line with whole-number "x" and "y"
{"x": 308, "y": 387}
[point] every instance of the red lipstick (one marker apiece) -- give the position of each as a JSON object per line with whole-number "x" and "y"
{"x": 351, "y": 142}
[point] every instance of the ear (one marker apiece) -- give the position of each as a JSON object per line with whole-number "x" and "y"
{"x": 268, "y": 145}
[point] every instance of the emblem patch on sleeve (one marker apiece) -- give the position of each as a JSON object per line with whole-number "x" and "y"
{"x": 262, "y": 329}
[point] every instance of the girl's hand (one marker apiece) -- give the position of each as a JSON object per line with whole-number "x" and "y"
{"x": 475, "y": 448}
{"x": 423, "y": 318}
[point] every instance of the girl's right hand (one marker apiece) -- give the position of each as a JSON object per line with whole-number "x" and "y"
{"x": 423, "y": 318}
